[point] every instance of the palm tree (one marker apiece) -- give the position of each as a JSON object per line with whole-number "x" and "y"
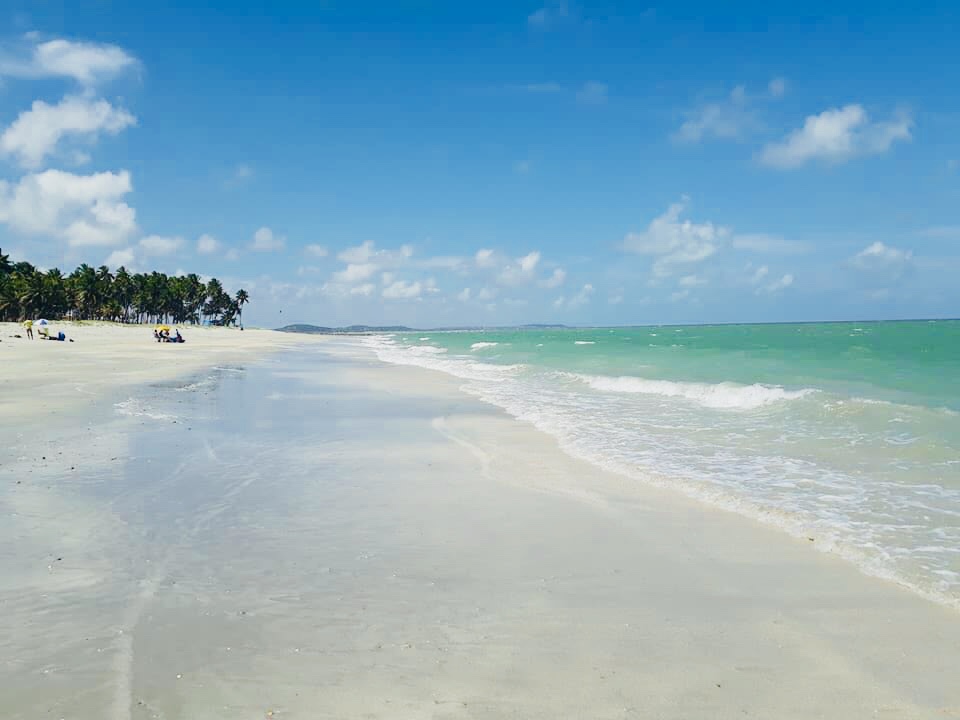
{"x": 242, "y": 299}
{"x": 90, "y": 293}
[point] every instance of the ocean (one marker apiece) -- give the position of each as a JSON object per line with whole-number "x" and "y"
{"x": 844, "y": 434}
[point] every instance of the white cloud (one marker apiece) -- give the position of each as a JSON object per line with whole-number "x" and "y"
{"x": 690, "y": 281}
{"x": 557, "y": 279}
{"x": 365, "y": 290}
{"x": 581, "y": 298}
{"x": 232, "y": 255}
{"x": 355, "y": 272}
{"x": 835, "y": 136}
{"x": 777, "y": 285}
{"x": 37, "y": 131}
{"x": 87, "y": 63}
{"x": 485, "y": 258}
{"x": 464, "y": 295}
{"x": 119, "y": 258}
{"x": 487, "y": 293}
{"x": 761, "y": 242}
{"x": 402, "y": 290}
{"x": 520, "y": 271}
{"x": 242, "y": 172}
{"x": 159, "y": 245}
{"x": 592, "y": 93}
{"x": 81, "y": 209}
{"x": 881, "y": 258}
{"x": 528, "y": 263}
{"x": 264, "y": 240}
{"x": 730, "y": 118}
{"x": 616, "y": 297}
{"x": 727, "y": 119}
{"x": 367, "y": 252}
{"x": 680, "y": 295}
{"x": 207, "y": 244}
{"x": 673, "y": 241}
{"x": 759, "y": 274}
{"x": 314, "y": 250}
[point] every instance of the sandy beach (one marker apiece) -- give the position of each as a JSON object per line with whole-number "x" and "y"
{"x": 261, "y": 525}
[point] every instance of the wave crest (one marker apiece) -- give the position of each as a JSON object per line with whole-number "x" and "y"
{"x": 725, "y": 395}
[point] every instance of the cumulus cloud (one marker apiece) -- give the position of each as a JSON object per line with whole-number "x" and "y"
{"x": 119, "y": 258}
{"x": 364, "y": 290}
{"x": 81, "y": 209}
{"x": 582, "y": 297}
{"x": 835, "y": 136}
{"x": 160, "y": 245}
{"x": 368, "y": 252}
{"x": 87, "y": 63}
{"x": 314, "y": 250}
{"x": 37, "y": 131}
{"x": 673, "y": 241}
{"x": 354, "y": 272}
{"x": 557, "y": 279}
{"x": 519, "y": 271}
{"x": 880, "y": 258}
{"x": 485, "y": 258}
{"x": 207, "y": 244}
{"x": 264, "y": 240}
{"x": 592, "y": 93}
{"x": 401, "y": 289}
{"x": 777, "y": 285}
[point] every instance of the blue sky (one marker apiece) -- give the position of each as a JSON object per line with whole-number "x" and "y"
{"x": 454, "y": 163}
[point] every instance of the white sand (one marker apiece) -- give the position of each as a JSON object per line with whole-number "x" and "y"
{"x": 342, "y": 538}
{"x": 40, "y": 378}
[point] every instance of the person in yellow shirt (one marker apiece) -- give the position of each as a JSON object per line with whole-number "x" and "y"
{"x": 28, "y": 324}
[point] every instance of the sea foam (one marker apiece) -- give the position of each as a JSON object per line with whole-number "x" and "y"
{"x": 728, "y": 396}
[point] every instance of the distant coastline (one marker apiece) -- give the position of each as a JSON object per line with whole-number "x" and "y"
{"x": 369, "y": 329}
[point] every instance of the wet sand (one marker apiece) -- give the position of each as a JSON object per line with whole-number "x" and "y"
{"x": 319, "y": 535}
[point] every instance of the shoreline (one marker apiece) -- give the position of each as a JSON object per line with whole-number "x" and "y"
{"x": 326, "y": 535}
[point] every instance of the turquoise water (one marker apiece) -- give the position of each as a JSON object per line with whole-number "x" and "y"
{"x": 847, "y": 433}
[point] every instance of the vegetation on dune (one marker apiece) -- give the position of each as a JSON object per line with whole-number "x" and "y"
{"x": 99, "y": 294}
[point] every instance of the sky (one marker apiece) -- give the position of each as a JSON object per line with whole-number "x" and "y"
{"x": 443, "y": 164}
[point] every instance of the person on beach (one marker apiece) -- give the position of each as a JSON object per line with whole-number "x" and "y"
{"x": 28, "y": 325}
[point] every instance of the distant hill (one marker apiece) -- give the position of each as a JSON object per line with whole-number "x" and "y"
{"x": 319, "y": 330}
{"x": 356, "y": 329}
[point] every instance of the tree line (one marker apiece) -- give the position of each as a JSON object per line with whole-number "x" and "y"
{"x": 98, "y": 294}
